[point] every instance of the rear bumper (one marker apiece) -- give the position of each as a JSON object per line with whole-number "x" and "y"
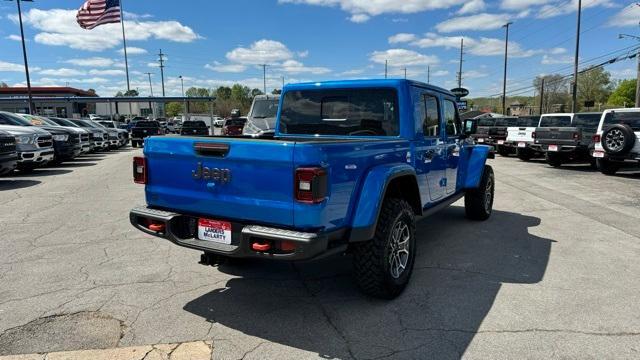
{"x": 182, "y": 230}
{"x": 630, "y": 157}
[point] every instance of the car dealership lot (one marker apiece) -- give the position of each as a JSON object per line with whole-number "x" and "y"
{"x": 552, "y": 274}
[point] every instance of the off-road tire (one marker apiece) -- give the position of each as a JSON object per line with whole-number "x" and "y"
{"x": 554, "y": 160}
{"x": 371, "y": 260}
{"x": 478, "y": 203}
{"x": 607, "y": 167}
{"x": 504, "y": 151}
{"x": 618, "y": 139}
{"x": 524, "y": 154}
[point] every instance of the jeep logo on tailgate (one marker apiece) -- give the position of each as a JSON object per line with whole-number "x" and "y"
{"x": 215, "y": 174}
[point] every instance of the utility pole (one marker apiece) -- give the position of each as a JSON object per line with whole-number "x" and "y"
{"x": 405, "y": 72}
{"x": 264, "y": 77}
{"x": 161, "y": 61}
{"x": 150, "y": 85}
{"x": 428, "y": 74}
{"x": 386, "y": 68}
{"x": 506, "y": 56}
{"x": 574, "y": 86}
{"x": 24, "y": 55}
{"x": 541, "y": 96}
{"x": 184, "y": 101}
{"x": 460, "y": 71}
{"x": 621, "y": 36}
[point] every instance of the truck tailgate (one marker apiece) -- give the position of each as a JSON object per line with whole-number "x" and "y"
{"x": 256, "y": 185}
{"x": 560, "y": 136}
{"x": 521, "y": 134}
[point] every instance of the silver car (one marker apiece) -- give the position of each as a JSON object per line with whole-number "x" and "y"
{"x": 261, "y": 120}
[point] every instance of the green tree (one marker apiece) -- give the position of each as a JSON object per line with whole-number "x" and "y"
{"x": 223, "y": 93}
{"x": 173, "y": 109}
{"x": 3, "y": 84}
{"x": 594, "y": 85}
{"x": 556, "y": 92}
{"x": 132, "y": 93}
{"x": 256, "y": 92}
{"x": 198, "y": 107}
{"x": 624, "y": 94}
{"x": 276, "y": 92}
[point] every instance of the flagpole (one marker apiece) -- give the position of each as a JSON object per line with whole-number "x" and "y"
{"x": 124, "y": 40}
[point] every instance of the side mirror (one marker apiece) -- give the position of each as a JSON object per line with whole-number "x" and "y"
{"x": 470, "y": 127}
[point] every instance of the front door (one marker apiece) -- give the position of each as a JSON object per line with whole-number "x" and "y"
{"x": 431, "y": 159}
{"x": 453, "y": 130}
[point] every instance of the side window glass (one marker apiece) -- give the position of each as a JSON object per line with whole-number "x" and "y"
{"x": 451, "y": 118}
{"x": 431, "y": 125}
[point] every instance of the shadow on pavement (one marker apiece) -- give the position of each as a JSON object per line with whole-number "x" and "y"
{"x": 460, "y": 268}
{"x": 74, "y": 163}
{"x": 41, "y": 172}
{"x": 6, "y": 184}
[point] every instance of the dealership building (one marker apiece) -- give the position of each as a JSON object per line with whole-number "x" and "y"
{"x": 52, "y": 102}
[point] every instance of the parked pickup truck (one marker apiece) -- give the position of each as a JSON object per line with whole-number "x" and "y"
{"x": 34, "y": 145}
{"x": 143, "y": 129}
{"x": 520, "y": 137}
{"x": 493, "y": 131}
{"x": 350, "y": 167}
{"x": 8, "y": 153}
{"x": 194, "y": 128}
{"x": 567, "y": 137}
{"x": 261, "y": 120}
{"x": 617, "y": 140}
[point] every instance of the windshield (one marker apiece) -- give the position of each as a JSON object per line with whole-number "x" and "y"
{"x": 486, "y": 122}
{"x": 63, "y": 122}
{"x": 588, "y": 122}
{"x": 506, "y": 121}
{"x": 629, "y": 118}
{"x": 10, "y": 119}
{"x": 528, "y": 121}
{"x": 353, "y": 112}
{"x": 107, "y": 124}
{"x": 81, "y": 123}
{"x": 555, "y": 121}
{"x": 263, "y": 109}
{"x": 194, "y": 124}
{"x": 147, "y": 124}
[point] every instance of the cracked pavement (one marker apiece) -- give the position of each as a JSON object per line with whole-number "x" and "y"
{"x": 553, "y": 274}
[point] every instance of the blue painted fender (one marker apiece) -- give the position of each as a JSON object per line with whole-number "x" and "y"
{"x": 371, "y": 197}
{"x": 475, "y": 166}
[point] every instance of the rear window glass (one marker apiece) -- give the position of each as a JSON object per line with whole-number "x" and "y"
{"x": 506, "y": 122}
{"x": 194, "y": 124}
{"x": 352, "y": 112}
{"x": 235, "y": 122}
{"x": 629, "y": 118}
{"x": 148, "y": 124}
{"x": 588, "y": 122}
{"x": 555, "y": 121}
{"x": 486, "y": 122}
{"x": 263, "y": 109}
{"x": 528, "y": 121}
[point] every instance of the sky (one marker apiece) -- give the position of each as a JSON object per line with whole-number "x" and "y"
{"x": 222, "y": 42}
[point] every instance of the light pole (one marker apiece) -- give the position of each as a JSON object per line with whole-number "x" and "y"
{"x": 24, "y": 54}
{"x": 184, "y": 101}
{"x": 504, "y": 81}
{"x": 151, "y": 91}
{"x": 574, "y": 87}
{"x": 622, "y": 36}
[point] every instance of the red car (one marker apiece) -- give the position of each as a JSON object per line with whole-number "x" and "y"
{"x": 233, "y": 127}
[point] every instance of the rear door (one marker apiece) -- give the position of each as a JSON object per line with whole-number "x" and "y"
{"x": 453, "y": 130}
{"x": 222, "y": 178}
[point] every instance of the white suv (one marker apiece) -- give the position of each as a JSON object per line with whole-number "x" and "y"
{"x": 617, "y": 140}
{"x": 521, "y": 137}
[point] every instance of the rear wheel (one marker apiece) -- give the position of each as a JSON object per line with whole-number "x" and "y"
{"x": 524, "y": 154}
{"x": 554, "y": 159}
{"x": 478, "y": 203}
{"x": 607, "y": 167}
{"x": 503, "y": 150}
{"x": 383, "y": 265}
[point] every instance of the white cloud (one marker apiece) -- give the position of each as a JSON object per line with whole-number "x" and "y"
{"x": 14, "y": 37}
{"x": 473, "y": 74}
{"x": 260, "y": 52}
{"x": 296, "y": 67}
{"x": 629, "y": 16}
{"x": 62, "y": 72}
{"x": 359, "y": 18}
{"x": 10, "y": 67}
{"x": 556, "y": 59}
{"x": 521, "y": 4}
{"x": 403, "y": 58}
{"x": 439, "y": 73}
{"x": 477, "y": 22}
{"x": 303, "y": 54}
{"x": 378, "y": 7}
{"x": 132, "y": 50}
{"x": 563, "y": 8}
{"x": 91, "y": 62}
{"x": 352, "y": 72}
{"x": 108, "y": 72}
{"x": 401, "y": 38}
{"x": 58, "y": 27}
{"x": 478, "y": 47}
{"x": 62, "y": 82}
{"x": 226, "y": 68}
{"x": 472, "y": 6}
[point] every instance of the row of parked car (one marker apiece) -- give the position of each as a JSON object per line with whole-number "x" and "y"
{"x": 28, "y": 142}
{"x": 607, "y": 140}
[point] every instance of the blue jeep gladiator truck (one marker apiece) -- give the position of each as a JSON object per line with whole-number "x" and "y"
{"x": 350, "y": 167}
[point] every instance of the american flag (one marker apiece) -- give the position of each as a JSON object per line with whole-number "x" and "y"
{"x": 98, "y": 12}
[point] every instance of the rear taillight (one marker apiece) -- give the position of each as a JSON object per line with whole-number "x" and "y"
{"x": 311, "y": 185}
{"x": 139, "y": 170}
{"x": 596, "y": 138}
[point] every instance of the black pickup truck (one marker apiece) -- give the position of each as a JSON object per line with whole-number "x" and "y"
{"x": 493, "y": 131}
{"x": 8, "y": 153}
{"x": 194, "y": 128}
{"x": 142, "y": 129}
{"x": 567, "y": 137}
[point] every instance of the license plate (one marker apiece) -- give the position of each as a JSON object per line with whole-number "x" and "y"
{"x": 480, "y": 140}
{"x": 215, "y": 231}
{"x": 521, "y": 145}
{"x": 500, "y": 142}
{"x": 553, "y": 147}
{"x": 598, "y": 154}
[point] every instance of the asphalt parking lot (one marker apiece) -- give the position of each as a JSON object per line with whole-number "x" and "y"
{"x": 553, "y": 274}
